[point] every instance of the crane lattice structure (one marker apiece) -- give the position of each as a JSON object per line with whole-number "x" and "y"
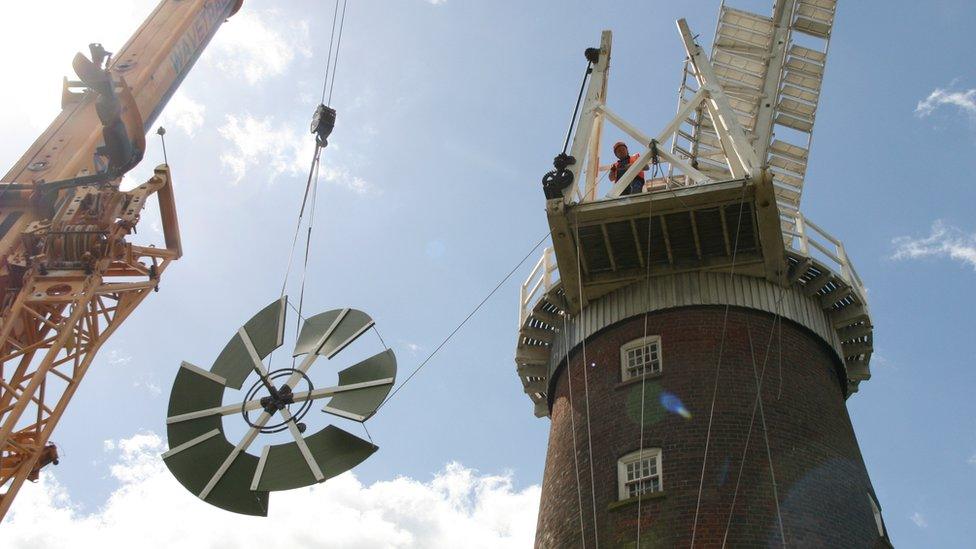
{"x": 68, "y": 274}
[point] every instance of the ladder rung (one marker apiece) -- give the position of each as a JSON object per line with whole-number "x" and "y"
{"x": 789, "y": 150}
{"x": 811, "y": 83}
{"x": 799, "y": 168}
{"x": 800, "y": 94}
{"x": 795, "y": 123}
{"x": 796, "y": 108}
{"x": 811, "y": 69}
{"x": 812, "y": 27}
{"x": 814, "y": 56}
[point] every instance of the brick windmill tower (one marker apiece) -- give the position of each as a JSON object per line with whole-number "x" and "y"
{"x": 694, "y": 342}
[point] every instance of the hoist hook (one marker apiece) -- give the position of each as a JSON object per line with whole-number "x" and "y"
{"x": 323, "y": 122}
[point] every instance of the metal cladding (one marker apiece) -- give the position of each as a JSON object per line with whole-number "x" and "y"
{"x": 198, "y": 447}
{"x": 340, "y": 327}
{"x": 224, "y": 474}
{"x": 361, "y": 404}
{"x": 335, "y": 451}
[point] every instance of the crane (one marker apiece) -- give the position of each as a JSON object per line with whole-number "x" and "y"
{"x": 68, "y": 275}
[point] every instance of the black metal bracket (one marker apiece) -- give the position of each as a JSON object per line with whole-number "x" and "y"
{"x": 555, "y": 182}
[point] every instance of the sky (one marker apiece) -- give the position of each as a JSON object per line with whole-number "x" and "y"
{"x": 449, "y": 113}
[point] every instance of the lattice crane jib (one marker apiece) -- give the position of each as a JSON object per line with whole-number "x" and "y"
{"x": 68, "y": 274}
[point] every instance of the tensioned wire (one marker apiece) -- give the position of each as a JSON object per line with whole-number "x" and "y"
{"x": 718, "y": 367}
{"x": 586, "y": 388}
{"x": 759, "y": 376}
{"x": 572, "y": 424}
{"x": 342, "y": 22}
{"x": 507, "y": 276}
{"x": 465, "y": 320}
{"x": 456, "y": 328}
{"x": 328, "y": 65}
{"x": 314, "y": 169}
{"x": 311, "y": 184}
{"x": 778, "y": 319}
{"x": 647, "y": 294}
{"x": 778, "y": 327}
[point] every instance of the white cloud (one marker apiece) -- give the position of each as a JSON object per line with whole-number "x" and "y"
{"x": 943, "y": 241}
{"x": 259, "y": 44}
{"x": 68, "y": 28}
{"x": 118, "y": 358}
{"x": 919, "y": 520}
{"x": 457, "y": 508}
{"x": 972, "y": 460}
{"x": 183, "y": 113}
{"x": 263, "y": 142}
{"x": 340, "y": 175}
{"x": 963, "y": 100}
{"x": 149, "y": 385}
{"x": 437, "y": 2}
{"x": 281, "y": 150}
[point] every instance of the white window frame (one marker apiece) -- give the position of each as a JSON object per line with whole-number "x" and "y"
{"x": 879, "y": 521}
{"x": 623, "y": 491}
{"x": 637, "y": 344}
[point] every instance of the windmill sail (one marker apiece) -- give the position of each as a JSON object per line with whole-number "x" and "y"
{"x": 772, "y": 70}
{"x": 224, "y": 474}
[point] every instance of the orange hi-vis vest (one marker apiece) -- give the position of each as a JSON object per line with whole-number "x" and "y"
{"x": 615, "y": 168}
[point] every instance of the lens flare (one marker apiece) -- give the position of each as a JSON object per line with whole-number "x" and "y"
{"x": 673, "y": 404}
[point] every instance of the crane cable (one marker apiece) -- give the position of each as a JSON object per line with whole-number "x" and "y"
{"x": 313, "y": 172}
{"x": 579, "y": 101}
{"x": 655, "y": 171}
{"x": 466, "y": 319}
{"x": 757, "y": 405}
{"x": 335, "y": 66}
{"x": 310, "y": 194}
{"x": 586, "y": 386}
{"x": 328, "y": 63}
{"x": 718, "y": 369}
{"x": 572, "y": 424}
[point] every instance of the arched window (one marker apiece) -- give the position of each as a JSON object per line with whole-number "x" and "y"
{"x": 640, "y": 357}
{"x": 639, "y": 473}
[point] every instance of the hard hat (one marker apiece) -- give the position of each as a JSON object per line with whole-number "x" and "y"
{"x": 618, "y": 144}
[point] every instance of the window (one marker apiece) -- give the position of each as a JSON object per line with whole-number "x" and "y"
{"x": 639, "y": 473}
{"x": 640, "y": 357}
{"x": 877, "y": 515}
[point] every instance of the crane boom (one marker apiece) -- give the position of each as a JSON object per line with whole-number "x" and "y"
{"x": 68, "y": 276}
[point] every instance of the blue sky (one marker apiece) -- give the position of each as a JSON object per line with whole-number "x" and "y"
{"x": 449, "y": 113}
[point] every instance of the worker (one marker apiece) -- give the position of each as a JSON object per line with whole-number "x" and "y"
{"x": 624, "y": 160}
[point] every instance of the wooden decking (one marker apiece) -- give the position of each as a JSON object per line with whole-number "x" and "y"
{"x": 708, "y": 227}
{"x": 732, "y": 226}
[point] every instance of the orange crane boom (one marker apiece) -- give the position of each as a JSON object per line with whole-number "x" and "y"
{"x": 68, "y": 275}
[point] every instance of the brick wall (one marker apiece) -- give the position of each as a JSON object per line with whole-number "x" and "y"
{"x": 820, "y": 476}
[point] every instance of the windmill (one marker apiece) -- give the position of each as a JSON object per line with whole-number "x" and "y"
{"x": 649, "y": 331}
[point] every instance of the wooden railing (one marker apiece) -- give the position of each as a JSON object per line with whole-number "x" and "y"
{"x": 810, "y": 240}
{"x": 802, "y": 236}
{"x": 538, "y": 284}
